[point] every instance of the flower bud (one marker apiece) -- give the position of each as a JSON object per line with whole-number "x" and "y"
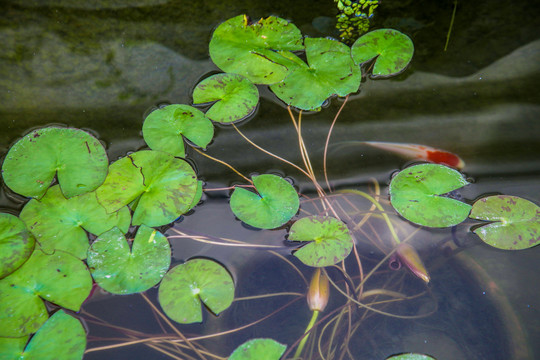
{"x": 409, "y": 257}
{"x": 319, "y": 291}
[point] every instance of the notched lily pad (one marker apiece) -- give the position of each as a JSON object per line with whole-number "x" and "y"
{"x": 16, "y": 243}
{"x": 392, "y": 49}
{"x": 331, "y": 70}
{"x": 121, "y": 270}
{"x": 329, "y": 240}
{"x": 60, "y": 223}
{"x": 186, "y": 285}
{"x": 275, "y": 204}
{"x": 515, "y": 222}
{"x": 267, "y": 349}
{"x": 255, "y": 50}
{"x": 78, "y": 159}
{"x": 235, "y": 97}
{"x": 165, "y": 128}
{"x": 163, "y": 186}
{"x": 415, "y": 193}
{"x": 60, "y": 278}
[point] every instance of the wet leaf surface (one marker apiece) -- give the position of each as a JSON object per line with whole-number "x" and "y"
{"x": 267, "y": 349}
{"x": 16, "y": 243}
{"x": 515, "y": 222}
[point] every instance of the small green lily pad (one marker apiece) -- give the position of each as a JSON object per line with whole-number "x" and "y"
{"x": 331, "y": 71}
{"x": 77, "y": 157}
{"x": 415, "y": 193}
{"x": 164, "y": 128}
{"x": 235, "y": 97}
{"x": 262, "y": 349}
{"x": 60, "y": 223}
{"x": 275, "y": 204}
{"x": 120, "y": 270}
{"x": 62, "y": 337}
{"x": 410, "y": 356}
{"x": 60, "y": 278}
{"x": 166, "y": 186}
{"x": 16, "y": 243}
{"x": 255, "y": 50}
{"x": 329, "y": 240}
{"x": 515, "y": 222}
{"x": 186, "y": 285}
{"x": 392, "y": 49}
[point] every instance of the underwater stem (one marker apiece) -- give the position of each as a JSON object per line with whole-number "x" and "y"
{"x": 451, "y": 26}
{"x": 223, "y": 163}
{"x": 328, "y": 141}
{"x": 306, "y": 334}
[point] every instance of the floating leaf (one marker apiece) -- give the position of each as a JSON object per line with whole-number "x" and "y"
{"x": 415, "y": 194}
{"x": 59, "y": 278}
{"x": 331, "y": 71}
{"x": 121, "y": 270}
{"x": 62, "y": 337}
{"x": 256, "y": 50}
{"x": 12, "y": 348}
{"x": 166, "y": 186}
{"x": 163, "y": 129}
{"x": 16, "y": 243}
{"x": 60, "y": 223}
{"x": 515, "y": 222}
{"x": 77, "y": 157}
{"x": 329, "y": 240}
{"x": 275, "y": 204}
{"x": 186, "y": 285}
{"x": 392, "y": 49}
{"x": 236, "y": 97}
{"x": 263, "y": 349}
{"x": 410, "y": 356}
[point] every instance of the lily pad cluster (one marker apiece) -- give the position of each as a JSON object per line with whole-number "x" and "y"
{"x": 422, "y": 195}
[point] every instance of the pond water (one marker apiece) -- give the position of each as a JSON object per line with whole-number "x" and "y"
{"x": 103, "y": 65}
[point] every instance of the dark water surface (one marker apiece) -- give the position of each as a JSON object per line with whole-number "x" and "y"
{"x": 102, "y": 65}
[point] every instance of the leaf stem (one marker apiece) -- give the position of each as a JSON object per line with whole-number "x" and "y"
{"x": 306, "y": 334}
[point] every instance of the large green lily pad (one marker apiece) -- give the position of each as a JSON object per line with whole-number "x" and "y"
{"x": 16, "y": 243}
{"x": 164, "y": 129}
{"x": 235, "y": 97}
{"x": 415, "y": 193}
{"x": 255, "y": 50}
{"x": 329, "y": 240}
{"x": 262, "y": 349}
{"x": 392, "y": 49}
{"x": 121, "y": 270}
{"x": 275, "y": 204}
{"x": 60, "y": 223}
{"x": 164, "y": 187}
{"x": 410, "y": 356}
{"x": 62, "y": 337}
{"x": 331, "y": 70}
{"x": 77, "y": 157}
{"x": 60, "y": 278}
{"x": 515, "y": 222}
{"x": 186, "y": 285}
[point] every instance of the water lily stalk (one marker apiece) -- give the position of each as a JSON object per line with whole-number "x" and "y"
{"x": 317, "y": 299}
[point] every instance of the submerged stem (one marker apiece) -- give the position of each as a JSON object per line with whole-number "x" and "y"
{"x": 306, "y": 334}
{"x": 223, "y": 163}
{"x": 328, "y": 141}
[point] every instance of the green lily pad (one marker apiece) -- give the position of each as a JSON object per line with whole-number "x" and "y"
{"x": 12, "y": 348}
{"x": 263, "y": 349}
{"x": 186, "y": 285}
{"x": 236, "y": 97}
{"x": 392, "y": 49}
{"x": 275, "y": 204}
{"x": 255, "y": 50}
{"x": 59, "y": 278}
{"x": 415, "y": 194}
{"x": 329, "y": 240}
{"x": 62, "y": 337}
{"x": 60, "y": 223}
{"x": 121, "y": 270}
{"x": 331, "y": 71}
{"x": 164, "y": 128}
{"x": 16, "y": 243}
{"x": 410, "y": 356}
{"x": 515, "y": 222}
{"x": 166, "y": 186}
{"x": 75, "y": 156}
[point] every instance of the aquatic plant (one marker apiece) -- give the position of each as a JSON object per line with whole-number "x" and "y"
{"x": 92, "y": 200}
